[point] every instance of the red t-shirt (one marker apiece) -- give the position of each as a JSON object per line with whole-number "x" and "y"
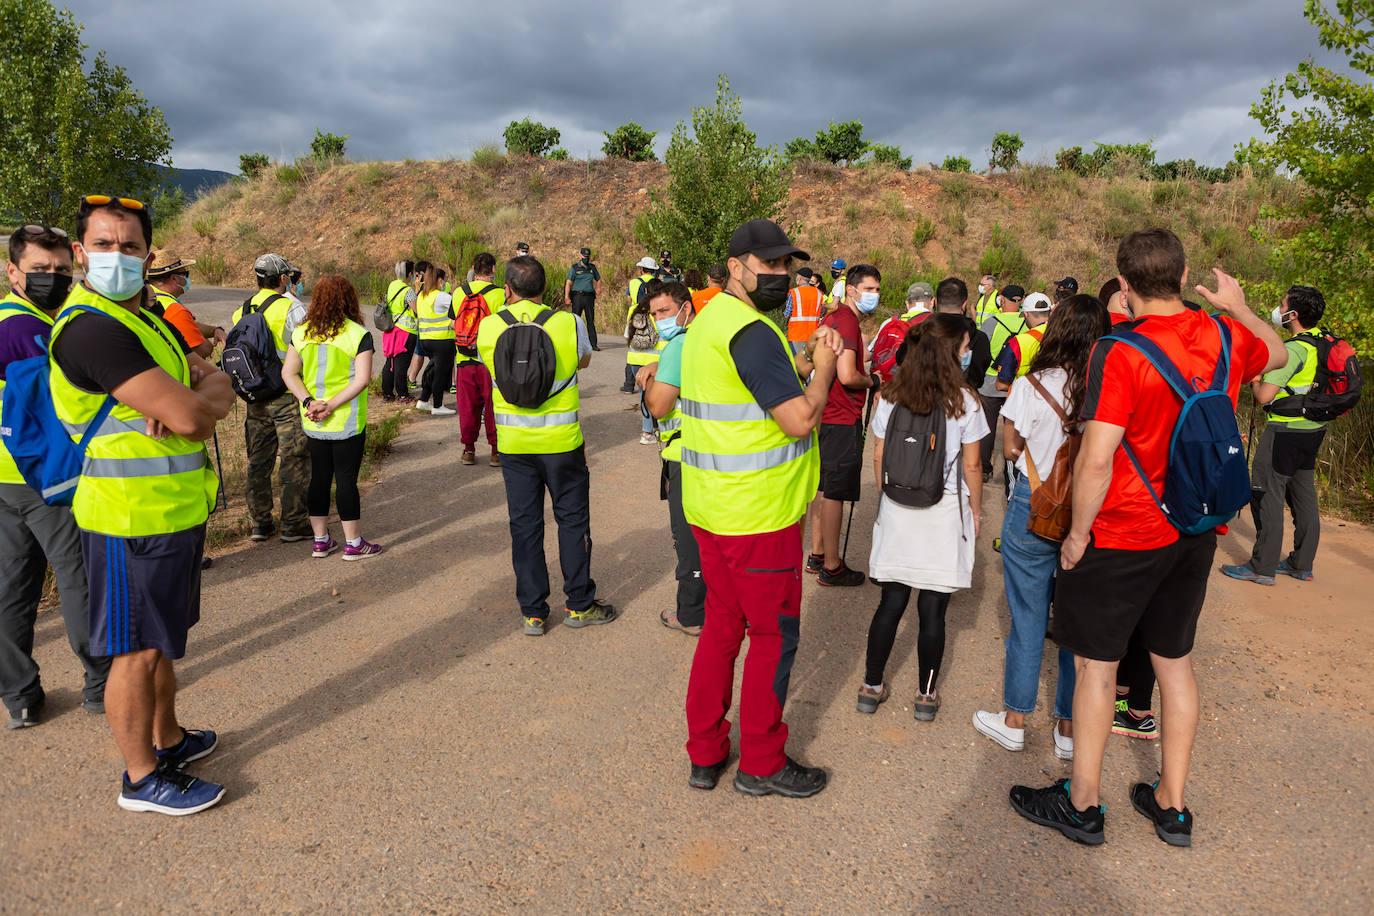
{"x": 845, "y": 405}
{"x": 1125, "y": 390}
{"x": 1118, "y": 318}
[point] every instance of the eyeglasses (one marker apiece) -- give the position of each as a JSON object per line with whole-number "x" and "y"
{"x": 104, "y": 200}
{"x": 35, "y": 229}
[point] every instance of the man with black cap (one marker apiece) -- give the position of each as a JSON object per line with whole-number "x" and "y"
{"x": 1000, "y": 327}
{"x": 749, "y": 468}
{"x": 1065, "y": 288}
{"x": 522, "y": 249}
{"x": 666, "y": 270}
{"x": 581, "y": 289}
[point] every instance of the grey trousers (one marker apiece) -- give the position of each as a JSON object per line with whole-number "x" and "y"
{"x": 33, "y": 535}
{"x": 1283, "y": 472}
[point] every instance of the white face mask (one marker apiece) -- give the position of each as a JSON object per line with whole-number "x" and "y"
{"x": 114, "y": 275}
{"x": 982, "y": 289}
{"x": 1277, "y": 316}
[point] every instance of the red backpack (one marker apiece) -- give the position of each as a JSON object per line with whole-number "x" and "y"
{"x": 889, "y": 341}
{"x": 1335, "y": 390}
{"x": 470, "y": 314}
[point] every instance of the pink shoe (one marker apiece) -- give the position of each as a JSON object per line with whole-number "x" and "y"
{"x": 362, "y": 551}
{"x": 324, "y": 548}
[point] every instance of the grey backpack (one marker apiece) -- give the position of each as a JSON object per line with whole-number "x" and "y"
{"x": 914, "y": 458}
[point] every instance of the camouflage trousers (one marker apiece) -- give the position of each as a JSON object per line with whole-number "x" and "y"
{"x": 273, "y": 429}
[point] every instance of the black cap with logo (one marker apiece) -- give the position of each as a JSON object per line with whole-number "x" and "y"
{"x": 764, "y": 239}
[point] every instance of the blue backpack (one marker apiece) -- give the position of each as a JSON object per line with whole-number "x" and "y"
{"x": 47, "y": 458}
{"x": 1207, "y": 481}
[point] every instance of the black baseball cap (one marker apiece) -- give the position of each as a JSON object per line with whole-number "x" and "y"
{"x": 765, "y": 239}
{"x": 1012, "y": 291}
{"x": 586, "y": 252}
{"x": 522, "y": 246}
{"x": 1068, "y": 283}
{"x": 665, "y": 253}
{"x": 805, "y": 272}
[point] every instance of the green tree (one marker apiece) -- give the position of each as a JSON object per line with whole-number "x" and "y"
{"x": 890, "y": 153}
{"x": 251, "y": 165}
{"x": 1119, "y": 159}
{"x": 800, "y": 148}
{"x": 1321, "y": 121}
{"x": 956, "y": 164}
{"x": 1006, "y": 147}
{"x": 842, "y": 142}
{"x": 630, "y": 141}
{"x": 328, "y": 148}
{"x": 530, "y": 138}
{"x": 1070, "y": 159}
{"x": 718, "y": 177}
{"x": 71, "y": 126}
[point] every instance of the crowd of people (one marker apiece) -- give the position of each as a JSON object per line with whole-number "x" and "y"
{"x": 762, "y": 431}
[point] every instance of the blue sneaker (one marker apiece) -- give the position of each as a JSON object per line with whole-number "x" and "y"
{"x": 195, "y": 744}
{"x": 1288, "y": 569}
{"x": 169, "y": 791}
{"x": 1246, "y": 574}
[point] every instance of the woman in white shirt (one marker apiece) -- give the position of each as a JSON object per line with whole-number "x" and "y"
{"x": 928, "y": 549}
{"x": 1029, "y": 561}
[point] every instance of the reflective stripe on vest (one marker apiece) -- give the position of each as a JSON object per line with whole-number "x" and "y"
{"x": 741, "y": 473}
{"x": 1302, "y": 380}
{"x": 328, "y": 368}
{"x": 396, "y": 303}
{"x": 432, "y": 326}
{"x": 552, "y": 427}
{"x": 133, "y": 485}
{"x": 806, "y": 313}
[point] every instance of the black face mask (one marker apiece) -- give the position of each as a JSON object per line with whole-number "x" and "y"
{"x": 47, "y": 291}
{"x": 771, "y": 291}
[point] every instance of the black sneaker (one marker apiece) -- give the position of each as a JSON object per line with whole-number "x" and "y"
{"x": 707, "y": 777}
{"x": 844, "y": 576}
{"x": 1173, "y": 826}
{"x": 1051, "y": 807}
{"x": 792, "y": 781}
{"x": 195, "y": 743}
{"x": 599, "y": 612}
{"x": 814, "y": 562}
{"x": 1129, "y": 724}
{"x": 296, "y": 534}
{"x": 262, "y": 532}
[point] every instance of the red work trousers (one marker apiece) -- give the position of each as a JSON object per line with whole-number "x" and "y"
{"x": 474, "y": 400}
{"x": 752, "y": 579}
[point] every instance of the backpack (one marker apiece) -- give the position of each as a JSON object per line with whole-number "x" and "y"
{"x": 382, "y": 318}
{"x": 914, "y": 458}
{"x": 47, "y": 458}
{"x": 1336, "y": 389}
{"x": 524, "y": 361}
{"x": 889, "y": 341}
{"x": 1051, "y": 499}
{"x": 250, "y": 355}
{"x": 470, "y": 314}
{"x": 642, "y": 333}
{"x": 1208, "y": 480}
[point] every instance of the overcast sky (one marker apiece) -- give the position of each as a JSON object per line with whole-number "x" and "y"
{"x": 434, "y": 78}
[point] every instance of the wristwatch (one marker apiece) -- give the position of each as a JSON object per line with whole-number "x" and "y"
{"x": 307, "y": 402}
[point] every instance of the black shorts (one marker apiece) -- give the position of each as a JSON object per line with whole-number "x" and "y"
{"x": 1099, "y": 603}
{"x": 842, "y": 459}
{"x": 1295, "y": 449}
{"x": 145, "y": 592}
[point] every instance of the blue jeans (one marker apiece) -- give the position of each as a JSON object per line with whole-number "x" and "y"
{"x": 1028, "y": 565}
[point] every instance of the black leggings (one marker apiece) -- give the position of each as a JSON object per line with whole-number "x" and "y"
{"x": 930, "y": 640}
{"x": 1136, "y": 674}
{"x": 396, "y": 371}
{"x": 336, "y": 461}
{"x": 438, "y": 375}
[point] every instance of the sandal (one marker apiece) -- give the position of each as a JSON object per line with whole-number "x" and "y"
{"x": 669, "y": 620}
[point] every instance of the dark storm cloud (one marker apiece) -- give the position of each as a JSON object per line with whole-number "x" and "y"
{"x": 426, "y": 78}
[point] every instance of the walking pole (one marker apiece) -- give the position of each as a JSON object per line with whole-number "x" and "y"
{"x": 219, "y": 469}
{"x": 863, "y": 438}
{"x": 1250, "y": 439}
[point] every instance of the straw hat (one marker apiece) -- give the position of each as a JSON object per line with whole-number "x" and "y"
{"x": 165, "y": 263}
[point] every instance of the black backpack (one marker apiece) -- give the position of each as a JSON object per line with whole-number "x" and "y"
{"x": 250, "y": 355}
{"x": 914, "y": 458}
{"x": 524, "y": 361}
{"x": 1335, "y": 390}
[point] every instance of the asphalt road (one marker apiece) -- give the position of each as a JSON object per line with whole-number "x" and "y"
{"x": 390, "y": 741}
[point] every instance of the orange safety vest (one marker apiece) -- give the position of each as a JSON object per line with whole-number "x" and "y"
{"x": 806, "y": 313}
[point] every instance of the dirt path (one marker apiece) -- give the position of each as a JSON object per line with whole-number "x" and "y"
{"x": 401, "y": 746}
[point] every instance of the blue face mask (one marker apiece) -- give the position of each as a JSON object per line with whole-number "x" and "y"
{"x": 114, "y": 275}
{"x": 868, "y": 302}
{"x": 965, "y": 359}
{"x": 668, "y": 328}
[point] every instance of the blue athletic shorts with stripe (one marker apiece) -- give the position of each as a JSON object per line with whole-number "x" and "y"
{"x": 145, "y": 592}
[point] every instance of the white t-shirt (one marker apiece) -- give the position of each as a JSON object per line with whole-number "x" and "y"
{"x": 961, "y": 431}
{"x": 1036, "y": 420}
{"x": 442, "y": 303}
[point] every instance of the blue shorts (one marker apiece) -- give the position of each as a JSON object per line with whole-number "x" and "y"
{"x": 145, "y": 592}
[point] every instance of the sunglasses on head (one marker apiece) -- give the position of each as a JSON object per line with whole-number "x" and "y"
{"x": 35, "y": 229}
{"x": 104, "y": 200}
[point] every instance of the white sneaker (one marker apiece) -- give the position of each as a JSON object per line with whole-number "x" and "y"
{"x": 1063, "y": 747}
{"x": 443, "y": 411}
{"x": 426, "y": 406}
{"x": 994, "y": 725}
{"x": 648, "y": 439}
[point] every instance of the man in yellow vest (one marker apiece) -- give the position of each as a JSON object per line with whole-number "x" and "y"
{"x": 33, "y": 534}
{"x": 272, "y": 429}
{"x": 541, "y": 449}
{"x": 1286, "y": 455}
{"x": 749, "y": 468}
{"x": 988, "y": 300}
{"x": 1015, "y": 357}
{"x": 145, "y": 491}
